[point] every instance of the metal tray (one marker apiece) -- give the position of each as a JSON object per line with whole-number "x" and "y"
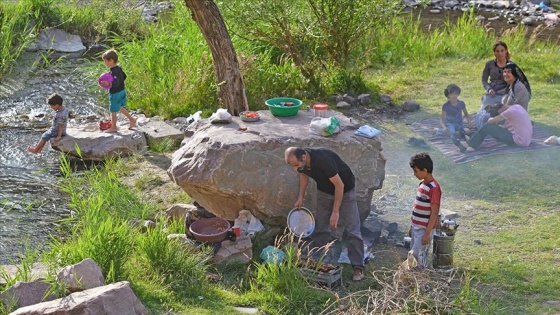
{"x": 301, "y": 222}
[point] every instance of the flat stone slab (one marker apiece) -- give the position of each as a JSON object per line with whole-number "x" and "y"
{"x": 89, "y": 143}
{"x": 448, "y": 214}
{"x": 156, "y": 131}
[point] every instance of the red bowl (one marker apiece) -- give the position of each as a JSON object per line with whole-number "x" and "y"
{"x": 211, "y": 230}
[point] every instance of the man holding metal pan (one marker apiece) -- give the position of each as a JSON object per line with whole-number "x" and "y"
{"x": 336, "y": 199}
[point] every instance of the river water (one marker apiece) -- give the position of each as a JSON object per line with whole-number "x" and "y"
{"x": 30, "y": 202}
{"x": 540, "y": 31}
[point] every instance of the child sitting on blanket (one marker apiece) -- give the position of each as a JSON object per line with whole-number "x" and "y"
{"x": 452, "y": 114}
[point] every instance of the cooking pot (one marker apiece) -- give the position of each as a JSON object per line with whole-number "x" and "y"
{"x": 449, "y": 226}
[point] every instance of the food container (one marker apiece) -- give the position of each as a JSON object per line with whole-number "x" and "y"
{"x": 283, "y": 106}
{"x": 210, "y": 230}
{"x": 249, "y": 116}
{"x": 320, "y": 110}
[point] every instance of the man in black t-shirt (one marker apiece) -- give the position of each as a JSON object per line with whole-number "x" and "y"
{"x": 336, "y": 198}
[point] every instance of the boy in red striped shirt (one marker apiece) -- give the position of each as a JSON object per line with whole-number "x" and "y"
{"x": 425, "y": 210}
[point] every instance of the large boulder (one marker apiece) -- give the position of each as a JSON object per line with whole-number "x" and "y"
{"x": 82, "y": 276}
{"x": 113, "y": 299}
{"x": 27, "y": 293}
{"x": 59, "y": 41}
{"x": 95, "y": 145}
{"x": 226, "y": 168}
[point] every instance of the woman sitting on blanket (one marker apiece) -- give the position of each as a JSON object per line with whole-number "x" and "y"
{"x": 516, "y": 130}
{"x": 493, "y": 82}
{"x": 518, "y": 90}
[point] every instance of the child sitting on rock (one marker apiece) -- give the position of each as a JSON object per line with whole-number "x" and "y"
{"x": 58, "y": 128}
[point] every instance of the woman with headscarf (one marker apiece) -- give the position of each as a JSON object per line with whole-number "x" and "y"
{"x": 519, "y": 89}
{"x": 493, "y": 82}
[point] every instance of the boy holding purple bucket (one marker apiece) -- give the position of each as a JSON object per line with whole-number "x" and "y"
{"x": 117, "y": 91}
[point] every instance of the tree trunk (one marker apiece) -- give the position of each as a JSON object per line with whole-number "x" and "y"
{"x": 229, "y": 79}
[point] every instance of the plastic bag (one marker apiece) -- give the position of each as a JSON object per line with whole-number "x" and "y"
{"x": 248, "y": 223}
{"x": 333, "y": 127}
{"x": 324, "y": 126}
{"x": 220, "y": 115}
{"x": 271, "y": 254}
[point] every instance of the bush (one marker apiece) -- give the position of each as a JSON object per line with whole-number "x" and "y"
{"x": 170, "y": 70}
{"x": 264, "y": 78}
{"x": 340, "y": 81}
{"x": 312, "y": 34}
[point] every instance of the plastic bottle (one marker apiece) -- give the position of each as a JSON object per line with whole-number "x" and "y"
{"x": 194, "y": 117}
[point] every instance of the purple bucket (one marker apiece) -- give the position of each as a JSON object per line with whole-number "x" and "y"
{"x": 107, "y": 77}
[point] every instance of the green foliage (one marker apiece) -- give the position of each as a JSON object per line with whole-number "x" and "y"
{"x": 311, "y": 34}
{"x": 405, "y": 41}
{"x": 111, "y": 196}
{"x": 106, "y": 240}
{"x": 94, "y": 21}
{"x": 479, "y": 302}
{"x": 103, "y": 207}
{"x": 281, "y": 288}
{"x": 165, "y": 145}
{"x": 515, "y": 267}
{"x": 16, "y": 31}
{"x": 181, "y": 266}
{"x": 171, "y": 74}
{"x": 170, "y": 70}
{"x": 23, "y": 271}
{"x": 158, "y": 268}
{"x": 266, "y": 76}
{"x": 97, "y": 20}
{"x": 342, "y": 81}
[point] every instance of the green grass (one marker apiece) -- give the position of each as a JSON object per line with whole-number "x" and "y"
{"x": 506, "y": 201}
{"x": 15, "y": 31}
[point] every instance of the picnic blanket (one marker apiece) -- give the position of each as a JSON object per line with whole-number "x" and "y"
{"x": 490, "y": 146}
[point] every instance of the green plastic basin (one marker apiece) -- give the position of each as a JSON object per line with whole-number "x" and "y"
{"x": 280, "y": 106}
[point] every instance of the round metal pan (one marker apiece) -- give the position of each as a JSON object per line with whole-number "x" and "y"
{"x": 301, "y": 222}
